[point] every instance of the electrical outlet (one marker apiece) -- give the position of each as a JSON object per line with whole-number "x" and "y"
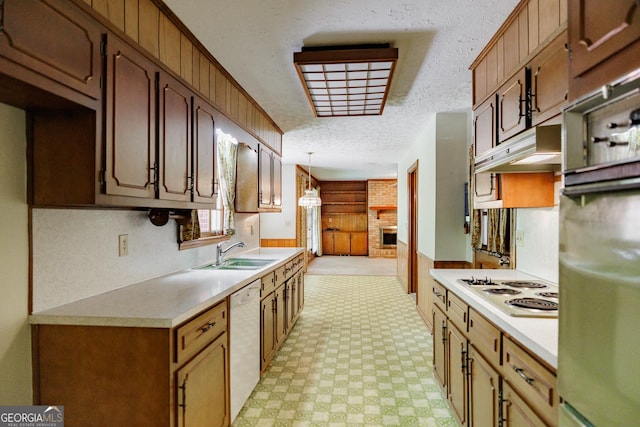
{"x": 519, "y": 238}
{"x": 123, "y": 245}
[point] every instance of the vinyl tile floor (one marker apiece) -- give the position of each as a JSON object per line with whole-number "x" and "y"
{"x": 359, "y": 355}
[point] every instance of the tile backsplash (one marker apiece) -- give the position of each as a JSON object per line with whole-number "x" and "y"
{"x": 75, "y": 252}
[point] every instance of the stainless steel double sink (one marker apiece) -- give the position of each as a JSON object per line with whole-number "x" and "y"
{"x": 239, "y": 264}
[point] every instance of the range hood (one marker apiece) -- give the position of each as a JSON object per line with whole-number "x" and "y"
{"x": 535, "y": 150}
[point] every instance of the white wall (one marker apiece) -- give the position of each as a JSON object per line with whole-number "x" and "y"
{"x": 422, "y": 151}
{"x": 15, "y": 337}
{"x": 441, "y": 152}
{"x": 282, "y": 225}
{"x": 75, "y": 251}
{"x": 538, "y": 254}
{"x": 452, "y": 142}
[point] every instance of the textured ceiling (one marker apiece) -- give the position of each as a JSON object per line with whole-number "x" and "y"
{"x": 437, "y": 41}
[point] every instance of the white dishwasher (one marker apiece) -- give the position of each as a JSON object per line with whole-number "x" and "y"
{"x": 245, "y": 344}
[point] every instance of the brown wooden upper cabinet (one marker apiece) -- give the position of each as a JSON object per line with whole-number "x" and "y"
{"x": 204, "y": 152}
{"x": 52, "y": 45}
{"x": 258, "y": 179}
{"x": 155, "y": 146}
{"x": 549, "y": 81}
{"x": 519, "y": 81}
{"x": 174, "y": 140}
{"x": 130, "y": 126}
{"x": 135, "y": 165}
{"x": 484, "y": 126}
{"x": 270, "y": 181}
{"x": 513, "y": 111}
{"x": 604, "y": 42}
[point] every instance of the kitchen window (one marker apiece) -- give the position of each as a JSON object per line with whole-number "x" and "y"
{"x": 210, "y": 227}
{"x": 211, "y": 222}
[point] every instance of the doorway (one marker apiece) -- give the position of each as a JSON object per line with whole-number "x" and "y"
{"x": 412, "y": 255}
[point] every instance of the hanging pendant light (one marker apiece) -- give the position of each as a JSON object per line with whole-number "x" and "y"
{"x": 310, "y": 198}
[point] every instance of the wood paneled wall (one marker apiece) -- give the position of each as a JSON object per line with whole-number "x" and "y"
{"x": 403, "y": 262}
{"x": 152, "y": 25}
{"x": 278, "y": 243}
{"x": 424, "y": 298}
{"x": 350, "y": 222}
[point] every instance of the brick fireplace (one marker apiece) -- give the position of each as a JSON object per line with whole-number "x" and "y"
{"x": 382, "y": 215}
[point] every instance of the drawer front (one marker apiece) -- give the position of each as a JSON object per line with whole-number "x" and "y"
{"x": 533, "y": 381}
{"x": 280, "y": 276}
{"x": 439, "y": 296}
{"x": 457, "y": 311}
{"x": 288, "y": 270}
{"x": 268, "y": 284}
{"x": 194, "y": 335}
{"x": 485, "y": 337}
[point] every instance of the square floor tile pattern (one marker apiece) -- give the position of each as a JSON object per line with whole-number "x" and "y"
{"x": 359, "y": 355}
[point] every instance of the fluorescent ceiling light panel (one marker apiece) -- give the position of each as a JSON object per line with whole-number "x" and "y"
{"x": 356, "y": 77}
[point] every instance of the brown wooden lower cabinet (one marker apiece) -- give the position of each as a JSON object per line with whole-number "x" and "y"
{"x": 345, "y": 243}
{"x": 439, "y": 347}
{"x": 202, "y": 383}
{"x": 457, "y": 373}
{"x": 516, "y": 412}
{"x": 484, "y": 391}
{"x": 488, "y": 378}
{"x": 108, "y": 376}
{"x": 282, "y": 299}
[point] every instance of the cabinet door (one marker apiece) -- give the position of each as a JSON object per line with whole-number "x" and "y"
{"x": 300, "y": 275}
{"x": 264, "y": 173}
{"x": 292, "y": 301}
{"x": 130, "y": 125}
{"x": 51, "y": 44}
{"x": 484, "y": 126}
{"x": 512, "y": 106}
{"x": 328, "y": 239}
{"x": 267, "y": 331}
{"x": 439, "y": 346}
{"x": 484, "y": 389}
{"x": 549, "y": 81}
{"x": 597, "y": 32}
{"x": 359, "y": 243}
{"x": 203, "y": 387}
{"x": 277, "y": 182}
{"x": 204, "y": 152}
{"x": 486, "y": 187}
{"x": 342, "y": 243}
{"x": 280, "y": 315}
{"x": 247, "y": 179}
{"x": 174, "y": 140}
{"x": 457, "y": 373}
{"x": 516, "y": 412}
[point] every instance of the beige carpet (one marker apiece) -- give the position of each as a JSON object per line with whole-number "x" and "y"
{"x": 353, "y": 266}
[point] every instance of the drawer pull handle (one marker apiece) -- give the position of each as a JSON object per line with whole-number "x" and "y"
{"x": 208, "y": 326}
{"x": 522, "y": 374}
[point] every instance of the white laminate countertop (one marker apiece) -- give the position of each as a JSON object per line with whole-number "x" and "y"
{"x": 539, "y": 335}
{"x": 166, "y": 301}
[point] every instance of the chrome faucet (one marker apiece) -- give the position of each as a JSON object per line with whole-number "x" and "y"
{"x": 220, "y": 253}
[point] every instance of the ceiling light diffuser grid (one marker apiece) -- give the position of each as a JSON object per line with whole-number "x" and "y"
{"x": 346, "y": 82}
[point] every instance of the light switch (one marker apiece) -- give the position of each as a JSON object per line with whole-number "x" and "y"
{"x": 123, "y": 245}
